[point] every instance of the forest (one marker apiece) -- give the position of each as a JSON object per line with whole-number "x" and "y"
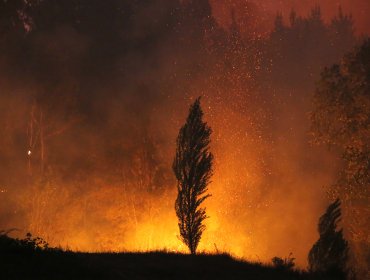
{"x": 94, "y": 94}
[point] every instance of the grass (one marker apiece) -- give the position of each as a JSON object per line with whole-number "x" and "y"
{"x": 34, "y": 263}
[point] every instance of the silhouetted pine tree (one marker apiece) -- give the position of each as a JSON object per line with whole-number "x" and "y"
{"x": 330, "y": 252}
{"x": 193, "y": 169}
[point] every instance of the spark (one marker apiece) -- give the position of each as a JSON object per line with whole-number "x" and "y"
{"x": 29, "y": 153}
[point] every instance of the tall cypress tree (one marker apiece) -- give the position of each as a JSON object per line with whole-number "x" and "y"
{"x": 193, "y": 169}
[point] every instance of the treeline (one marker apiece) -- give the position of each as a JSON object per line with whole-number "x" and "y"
{"x": 300, "y": 49}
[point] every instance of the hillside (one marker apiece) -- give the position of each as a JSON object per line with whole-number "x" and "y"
{"x": 28, "y": 259}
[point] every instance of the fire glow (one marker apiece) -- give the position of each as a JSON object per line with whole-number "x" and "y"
{"x": 123, "y": 217}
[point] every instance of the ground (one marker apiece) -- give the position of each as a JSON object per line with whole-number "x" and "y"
{"x": 31, "y": 259}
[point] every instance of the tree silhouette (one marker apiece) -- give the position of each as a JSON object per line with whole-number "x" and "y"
{"x": 330, "y": 252}
{"x": 193, "y": 169}
{"x": 340, "y": 119}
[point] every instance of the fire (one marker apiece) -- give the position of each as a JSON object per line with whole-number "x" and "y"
{"x": 246, "y": 219}
{"x": 101, "y": 124}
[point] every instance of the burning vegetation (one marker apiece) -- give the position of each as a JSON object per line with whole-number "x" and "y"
{"x": 92, "y": 94}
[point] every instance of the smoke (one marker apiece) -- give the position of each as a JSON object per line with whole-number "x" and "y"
{"x": 97, "y": 93}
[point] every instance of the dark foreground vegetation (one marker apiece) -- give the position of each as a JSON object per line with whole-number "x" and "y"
{"x": 31, "y": 258}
